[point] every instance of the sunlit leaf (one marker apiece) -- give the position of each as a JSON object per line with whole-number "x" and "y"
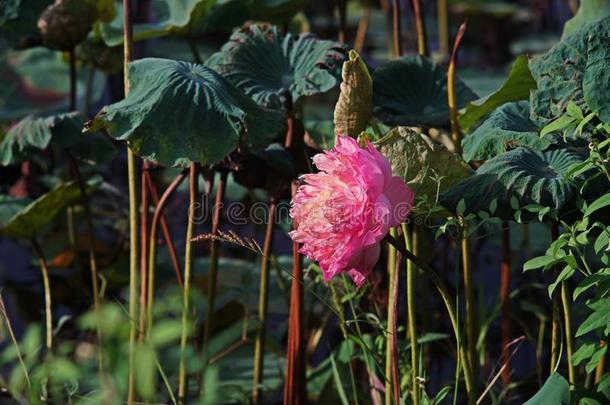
{"x": 178, "y": 112}
{"x": 516, "y": 87}
{"x": 412, "y": 90}
{"x": 532, "y": 177}
{"x": 269, "y": 66}
{"x": 506, "y": 128}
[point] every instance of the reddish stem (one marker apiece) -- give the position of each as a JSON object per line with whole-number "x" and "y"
{"x": 159, "y": 218}
{"x": 396, "y": 31}
{"x": 294, "y": 385}
{"x": 504, "y": 302}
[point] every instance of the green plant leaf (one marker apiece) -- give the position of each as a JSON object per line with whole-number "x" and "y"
{"x": 24, "y": 219}
{"x": 418, "y": 160}
{"x": 269, "y": 66}
{"x": 178, "y": 112}
{"x": 506, "y": 128}
{"x": 555, "y": 391}
{"x": 584, "y": 352}
{"x": 354, "y": 108}
{"x": 601, "y": 202}
{"x": 412, "y": 91}
{"x": 516, "y": 87}
{"x": 18, "y": 21}
{"x": 560, "y": 72}
{"x": 597, "y": 70}
{"x": 532, "y": 177}
{"x": 588, "y": 11}
{"x": 33, "y": 134}
{"x": 276, "y": 11}
{"x": 184, "y": 18}
{"x": 600, "y": 317}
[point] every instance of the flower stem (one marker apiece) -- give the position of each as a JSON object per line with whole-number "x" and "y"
{"x": 567, "y": 321}
{"x": 152, "y": 247}
{"x": 471, "y": 321}
{"x": 263, "y": 300}
{"x": 182, "y": 380}
{"x": 295, "y": 382}
{"x": 411, "y": 314}
{"x": 555, "y": 322}
{"x": 397, "y": 37}
{"x": 420, "y": 28}
{"x": 447, "y": 300}
{"x": 456, "y": 135}
{"x": 133, "y": 210}
{"x": 144, "y": 207}
{"x": 389, "y": 364}
{"x": 443, "y": 27}
{"x": 214, "y": 250}
{"x": 47, "y": 294}
{"x": 504, "y": 301}
{"x": 95, "y": 290}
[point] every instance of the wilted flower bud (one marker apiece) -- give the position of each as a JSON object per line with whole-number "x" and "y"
{"x": 66, "y": 23}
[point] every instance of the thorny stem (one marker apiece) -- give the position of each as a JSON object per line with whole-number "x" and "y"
{"x": 263, "y": 300}
{"x": 411, "y": 316}
{"x": 420, "y": 27}
{"x": 182, "y": 380}
{"x": 47, "y": 294}
{"x": 133, "y": 210}
{"x": 152, "y": 246}
{"x": 447, "y": 300}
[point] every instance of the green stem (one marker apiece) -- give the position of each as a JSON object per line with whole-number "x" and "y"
{"x": 214, "y": 250}
{"x": 342, "y": 323}
{"x": 263, "y": 300}
{"x": 389, "y": 364}
{"x": 505, "y": 301}
{"x": 182, "y": 380}
{"x": 447, "y": 300}
{"x": 555, "y": 299}
{"x": 11, "y": 333}
{"x": 471, "y": 325}
{"x": 47, "y": 294}
{"x": 411, "y": 314}
{"x": 456, "y": 135}
{"x": 133, "y": 211}
{"x": 443, "y": 28}
{"x": 195, "y": 51}
{"x": 567, "y": 321}
{"x": 144, "y": 211}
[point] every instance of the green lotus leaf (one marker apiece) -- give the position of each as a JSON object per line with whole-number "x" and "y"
{"x": 560, "y": 72}
{"x": 506, "y": 128}
{"x": 412, "y": 91}
{"x": 426, "y": 166}
{"x": 32, "y": 134}
{"x": 589, "y": 11}
{"x": 268, "y": 66}
{"x": 22, "y": 218}
{"x": 173, "y": 17}
{"x": 179, "y": 112}
{"x": 354, "y": 108}
{"x": 530, "y": 176}
{"x": 597, "y": 77}
{"x": 556, "y": 390}
{"x": 516, "y": 87}
{"x": 226, "y": 14}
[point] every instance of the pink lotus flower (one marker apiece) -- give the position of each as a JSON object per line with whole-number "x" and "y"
{"x": 343, "y": 212}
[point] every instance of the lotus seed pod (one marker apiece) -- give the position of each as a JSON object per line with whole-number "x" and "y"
{"x": 66, "y": 23}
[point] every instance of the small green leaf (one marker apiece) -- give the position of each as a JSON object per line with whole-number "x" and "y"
{"x": 558, "y": 125}
{"x": 595, "y": 358}
{"x": 598, "y": 319}
{"x": 601, "y": 202}
{"x": 584, "y": 352}
{"x": 538, "y": 262}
